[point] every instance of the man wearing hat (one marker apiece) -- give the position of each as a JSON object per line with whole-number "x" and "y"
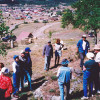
{"x": 17, "y": 75}
{"x": 90, "y": 70}
{"x": 25, "y": 68}
{"x": 6, "y": 87}
{"x": 48, "y": 53}
{"x": 28, "y": 60}
{"x": 97, "y": 59}
{"x": 83, "y": 47}
{"x": 64, "y": 75}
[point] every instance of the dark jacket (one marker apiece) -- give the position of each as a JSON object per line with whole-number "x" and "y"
{"x": 48, "y": 50}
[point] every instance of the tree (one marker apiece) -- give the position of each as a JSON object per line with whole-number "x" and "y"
{"x": 3, "y": 30}
{"x": 86, "y": 16}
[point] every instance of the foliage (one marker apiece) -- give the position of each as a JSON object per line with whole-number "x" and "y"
{"x": 54, "y": 77}
{"x": 36, "y": 21}
{"x": 45, "y": 21}
{"x": 3, "y": 29}
{"x": 25, "y": 22}
{"x": 59, "y": 13}
{"x": 3, "y": 49}
{"x": 86, "y": 16}
{"x": 52, "y": 90}
{"x": 50, "y": 34}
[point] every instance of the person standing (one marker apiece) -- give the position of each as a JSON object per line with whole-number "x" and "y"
{"x": 6, "y": 87}
{"x": 26, "y": 74}
{"x": 89, "y": 69}
{"x": 64, "y": 75}
{"x": 28, "y": 60}
{"x": 97, "y": 59}
{"x": 83, "y": 47}
{"x": 48, "y": 54}
{"x": 17, "y": 75}
{"x": 58, "y": 51}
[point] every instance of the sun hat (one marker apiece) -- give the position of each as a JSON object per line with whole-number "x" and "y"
{"x": 5, "y": 70}
{"x": 90, "y": 55}
{"x": 15, "y": 56}
{"x": 97, "y": 47}
{"x": 27, "y": 49}
{"x": 83, "y": 36}
{"x": 65, "y": 62}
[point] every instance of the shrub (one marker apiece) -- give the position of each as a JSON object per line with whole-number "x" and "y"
{"x": 54, "y": 77}
{"x": 52, "y": 90}
{"x": 25, "y": 22}
{"x": 50, "y": 34}
{"x": 45, "y": 21}
{"x": 36, "y": 21}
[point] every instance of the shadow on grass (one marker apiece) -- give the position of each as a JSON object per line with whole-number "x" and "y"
{"x": 35, "y": 84}
{"x": 55, "y": 66}
{"x": 76, "y": 95}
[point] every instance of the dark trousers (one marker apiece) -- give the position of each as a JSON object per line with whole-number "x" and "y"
{"x": 2, "y": 94}
{"x": 17, "y": 77}
{"x": 82, "y": 56}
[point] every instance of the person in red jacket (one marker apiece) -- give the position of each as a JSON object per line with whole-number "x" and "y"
{"x": 6, "y": 87}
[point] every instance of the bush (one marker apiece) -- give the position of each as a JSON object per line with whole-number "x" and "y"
{"x": 54, "y": 77}
{"x": 25, "y": 22}
{"x": 50, "y": 34}
{"x": 52, "y": 90}
{"x": 45, "y": 21}
{"x": 36, "y": 21}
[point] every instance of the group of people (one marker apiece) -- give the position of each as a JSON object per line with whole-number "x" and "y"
{"x": 48, "y": 53}
{"x": 90, "y": 69}
{"x": 22, "y": 72}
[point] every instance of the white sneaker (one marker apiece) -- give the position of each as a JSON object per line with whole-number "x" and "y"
{"x": 98, "y": 91}
{"x": 83, "y": 98}
{"x": 26, "y": 83}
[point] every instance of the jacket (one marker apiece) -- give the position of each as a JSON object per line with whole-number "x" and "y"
{"x": 64, "y": 74}
{"x": 80, "y": 48}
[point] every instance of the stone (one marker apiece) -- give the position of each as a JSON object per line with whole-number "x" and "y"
{"x": 55, "y": 98}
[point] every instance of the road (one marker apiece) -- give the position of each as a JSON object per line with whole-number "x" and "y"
{"x": 40, "y": 32}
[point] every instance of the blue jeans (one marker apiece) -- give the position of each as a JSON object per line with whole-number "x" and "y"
{"x": 16, "y": 82}
{"x": 27, "y": 75}
{"x": 61, "y": 87}
{"x": 87, "y": 80}
{"x": 82, "y": 56}
{"x": 47, "y": 62}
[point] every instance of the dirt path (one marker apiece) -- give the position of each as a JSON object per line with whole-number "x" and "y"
{"x": 40, "y": 32}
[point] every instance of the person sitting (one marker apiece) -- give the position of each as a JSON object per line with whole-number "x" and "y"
{"x": 6, "y": 87}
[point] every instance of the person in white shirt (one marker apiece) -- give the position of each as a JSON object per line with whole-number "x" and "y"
{"x": 83, "y": 47}
{"x": 58, "y": 51}
{"x": 97, "y": 59}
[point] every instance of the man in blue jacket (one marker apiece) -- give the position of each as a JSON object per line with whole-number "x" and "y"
{"x": 48, "y": 53}
{"x": 83, "y": 47}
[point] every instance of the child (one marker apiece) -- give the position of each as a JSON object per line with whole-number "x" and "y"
{"x": 64, "y": 76}
{"x": 17, "y": 75}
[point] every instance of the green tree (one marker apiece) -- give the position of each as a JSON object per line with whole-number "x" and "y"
{"x": 3, "y": 30}
{"x": 86, "y": 16}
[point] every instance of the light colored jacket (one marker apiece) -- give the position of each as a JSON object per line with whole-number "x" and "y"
{"x": 64, "y": 74}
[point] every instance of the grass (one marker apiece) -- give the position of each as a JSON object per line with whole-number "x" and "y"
{"x": 52, "y": 91}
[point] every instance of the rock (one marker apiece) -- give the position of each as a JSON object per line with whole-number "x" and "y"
{"x": 55, "y": 98}
{"x": 37, "y": 93}
{"x": 45, "y": 83}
